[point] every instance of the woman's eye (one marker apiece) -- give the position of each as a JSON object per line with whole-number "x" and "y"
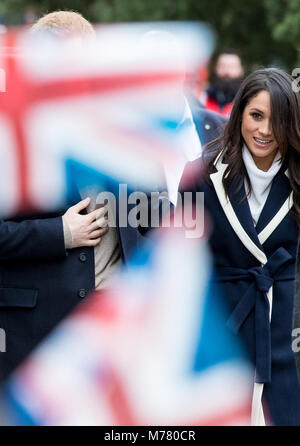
{"x": 256, "y": 115}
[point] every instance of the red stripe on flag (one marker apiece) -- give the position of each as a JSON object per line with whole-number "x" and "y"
{"x": 22, "y": 92}
{"x": 118, "y": 401}
{"x": 228, "y": 418}
{"x": 14, "y": 103}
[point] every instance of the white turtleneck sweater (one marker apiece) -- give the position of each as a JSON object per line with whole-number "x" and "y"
{"x": 261, "y": 182}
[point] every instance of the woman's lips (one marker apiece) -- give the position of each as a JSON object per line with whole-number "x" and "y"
{"x": 261, "y": 142}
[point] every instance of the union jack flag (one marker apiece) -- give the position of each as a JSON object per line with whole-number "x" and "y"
{"x": 109, "y": 107}
{"x": 153, "y": 350}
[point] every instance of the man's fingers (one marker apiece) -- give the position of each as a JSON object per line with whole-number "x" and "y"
{"x": 101, "y": 222}
{"x": 98, "y": 233}
{"x": 81, "y": 205}
{"x": 97, "y": 213}
{"x": 93, "y": 242}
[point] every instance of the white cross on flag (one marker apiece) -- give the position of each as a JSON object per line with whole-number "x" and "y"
{"x": 111, "y": 105}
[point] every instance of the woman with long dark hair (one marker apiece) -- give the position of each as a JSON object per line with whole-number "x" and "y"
{"x": 251, "y": 185}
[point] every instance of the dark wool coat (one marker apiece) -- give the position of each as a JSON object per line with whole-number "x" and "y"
{"x": 255, "y": 269}
{"x": 41, "y": 282}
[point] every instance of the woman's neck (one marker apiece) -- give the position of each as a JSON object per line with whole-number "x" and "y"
{"x": 264, "y": 163}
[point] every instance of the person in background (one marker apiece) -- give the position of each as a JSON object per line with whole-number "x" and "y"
{"x": 226, "y": 78}
{"x": 197, "y": 126}
{"x": 30, "y": 15}
{"x": 196, "y": 83}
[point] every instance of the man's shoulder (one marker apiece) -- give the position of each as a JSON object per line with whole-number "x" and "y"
{"x": 209, "y": 124}
{"x": 204, "y": 117}
{"x": 211, "y": 116}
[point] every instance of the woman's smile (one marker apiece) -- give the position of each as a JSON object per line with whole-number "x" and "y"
{"x": 262, "y": 142}
{"x": 257, "y": 130}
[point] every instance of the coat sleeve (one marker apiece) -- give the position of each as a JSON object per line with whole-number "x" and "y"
{"x": 191, "y": 180}
{"x": 37, "y": 239}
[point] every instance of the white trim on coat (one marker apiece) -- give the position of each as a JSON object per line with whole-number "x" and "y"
{"x": 276, "y": 220}
{"x": 217, "y": 180}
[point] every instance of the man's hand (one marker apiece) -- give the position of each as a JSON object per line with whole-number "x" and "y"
{"x": 88, "y": 229}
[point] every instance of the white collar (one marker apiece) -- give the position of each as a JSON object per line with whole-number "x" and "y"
{"x": 190, "y": 149}
{"x": 260, "y": 180}
{"x": 255, "y": 172}
{"x": 187, "y": 113}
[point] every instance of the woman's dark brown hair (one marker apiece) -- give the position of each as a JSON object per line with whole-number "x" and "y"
{"x": 285, "y": 121}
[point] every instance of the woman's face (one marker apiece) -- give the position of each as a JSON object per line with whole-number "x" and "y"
{"x": 257, "y": 130}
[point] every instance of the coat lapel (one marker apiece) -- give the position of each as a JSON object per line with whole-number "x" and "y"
{"x": 237, "y": 212}
{"x": 241, "y": 209}
{"x": 278, "y": 204}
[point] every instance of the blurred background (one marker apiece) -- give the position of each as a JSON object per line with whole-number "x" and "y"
{"x": 265, "y": 32}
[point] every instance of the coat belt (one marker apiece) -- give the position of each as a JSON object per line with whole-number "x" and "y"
{"x": 280, "y": 266}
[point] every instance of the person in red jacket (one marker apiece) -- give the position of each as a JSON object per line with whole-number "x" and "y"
{"x": 225, "y": 82}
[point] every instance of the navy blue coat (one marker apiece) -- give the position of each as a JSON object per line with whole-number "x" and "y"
{"x": 41, "y": 281}
{"x": 209, "y": 125}
{"x": 251, "y": 262}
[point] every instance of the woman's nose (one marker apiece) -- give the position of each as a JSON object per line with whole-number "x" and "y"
{"x": 265, "y": 128}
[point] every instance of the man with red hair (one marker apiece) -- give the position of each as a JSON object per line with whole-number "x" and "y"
{"x": 64, "y": 23}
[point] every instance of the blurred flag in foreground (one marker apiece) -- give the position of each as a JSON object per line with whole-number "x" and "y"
{"x": 112, "y": 106}
{"x": 153, "y": 350}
